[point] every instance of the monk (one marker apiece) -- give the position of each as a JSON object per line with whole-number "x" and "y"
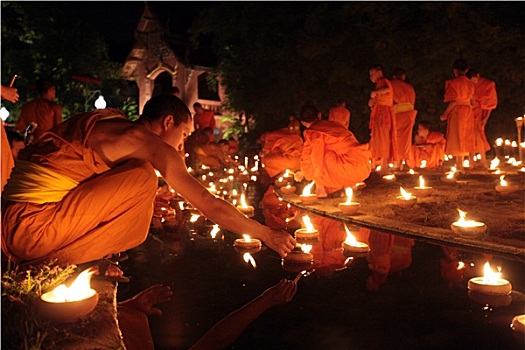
{"x": 459, "y": 92}
{"x": 203, "y": 118}
{"x": 10, "y": 94}
{"x": 428, "y": 148}
{"x": 404, "y": 100}
{"x": 86, "y": 188}
{"x": 485, "y": 100}
{"x": 281, "y": 150}
{"x": 42, "y": 110}
{"x": 340, "y": 114}
{"x": 383, "y": 140}
{"x": 332, "y": 156}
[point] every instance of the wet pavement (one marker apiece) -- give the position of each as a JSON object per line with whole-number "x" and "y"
{"x": 404, "y": 294}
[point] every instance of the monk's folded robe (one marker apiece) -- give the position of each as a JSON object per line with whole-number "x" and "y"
{"x": 431, "y": 150}
{"x": 332, "y": 156}
{"x": 404, "y": 100}
{"x": 383, "y": 128}
{"x": 281, "y": 150}
{"x": 460, "y": 126}
{"x": 486, "y": 99}
{"x": 78, "y": 209}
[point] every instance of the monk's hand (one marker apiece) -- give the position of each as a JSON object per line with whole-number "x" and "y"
{"x": 281, "y": 293}
{"x": 280, "y": 241}
{"x": 298, "y": 176}
{"x": 443, "y": 117}
{"x": 146, "y": 300}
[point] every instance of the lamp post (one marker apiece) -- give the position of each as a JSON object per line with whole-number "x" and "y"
{"x": 100, "y": 103}
{"x": 519, "y": 125}
{"x": 4, "y": 114}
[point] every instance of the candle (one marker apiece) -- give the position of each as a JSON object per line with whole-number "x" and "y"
{"x": 288, "y": 189}
{"x": 300, "y": 255}
{"x": 306, "y": 196}
{"x": 507, "y": 148}
{"x": 244, "y": 208}
{"x": 450, "y": 175}
{"x": 349, "y": 207}
{"x": 215, "y": 230}
{"x": 67, "y": 304}
{"x": 359, "y": 186}
{"x": 307, "y": 233}
{"x": 518, "y": 324}
{"x": 248, "y": 258}
{"x": 389, "y": 178}
{"x": 281, "y": 182}
{"x": 490, "y": 283}
{"x": 504, "y": 188}
{"x": 498, "y": 146}
{"x": 351, "y": 245}
{"x": 468, "y": 228}
{"x": 422, "y": 190}
{"x": 406, "y": 200}
{"x": 247, "y": 242}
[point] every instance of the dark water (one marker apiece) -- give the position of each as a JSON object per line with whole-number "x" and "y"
{"x": 415, "y": 299}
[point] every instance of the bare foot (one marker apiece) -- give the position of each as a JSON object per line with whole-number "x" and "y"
{"x": 145, "y": 300}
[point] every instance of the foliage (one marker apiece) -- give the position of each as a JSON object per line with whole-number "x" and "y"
{"x": 21, "y": 328}
{"x": 131, "y": 108}
{"x": 273, "y": 59}
{"x": 234, "y": 128}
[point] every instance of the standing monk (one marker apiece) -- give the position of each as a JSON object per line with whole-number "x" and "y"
{"x": 404, "y": 100}
{"x": 460, "y": 119}
{"x": 485, "y": 100}
{"x": 42, "y": 110}
{"x": 86, "y": 188}
{"x": 204, "y": 118}
{"x": 340, "y": 114}
{"x": 382, "y": 124}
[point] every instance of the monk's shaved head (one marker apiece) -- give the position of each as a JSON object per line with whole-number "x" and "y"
{"x": 162, "y": 105}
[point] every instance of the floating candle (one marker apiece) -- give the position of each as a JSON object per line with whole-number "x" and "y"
{"x": 300, "y": 255}
{"x": 389, "y": 178}
{"x": 518, "y": 324}
{"x": 504, "y": 188}
{"x": 288, "y": 189}
{"x": 306, "y": 196}
{"x": 244, "y": 208}
{"x": 247, "y": 242}
{"x": 406, "y": 200}
{"x": 468, "y": 228}
{"x": 351, "y": 245}
{"x": 422, "y": 190}
{"x": 307, "y": 233}
{"x": 349, "y": 207}
{"x": 490, "y": 283}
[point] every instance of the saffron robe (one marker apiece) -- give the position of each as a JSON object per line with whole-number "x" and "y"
{"x": 340, "y": 115}
{"x": 109, "y": 211}
{"x": 485, "y": 100}
{"x": 281, "y": 150}
{"x": 404, "y": 100}
{"x": 383, "y": 140}
{"x": 460, "y": 120}
{"x": 206, "y": 119}
{"x": 431, "y": 150}
{"x": 7, "y": 158}
{"x": 45, "y": 113}
{"x": 333, "y": 157}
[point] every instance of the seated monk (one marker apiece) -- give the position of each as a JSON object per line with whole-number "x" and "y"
{"x": 202, "y": 151}
{"x": 332, "y": 156}
{"x": 86, "y": 188}
{"x": 281, "y": 150}
{"x": 428, "y": 146}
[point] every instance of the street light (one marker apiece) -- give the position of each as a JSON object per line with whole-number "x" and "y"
{"x": 4, "y": 113}
{"x": 100, "y": 103}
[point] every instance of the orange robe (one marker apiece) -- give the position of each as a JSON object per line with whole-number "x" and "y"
{"x": 45, "y": 113}
{"x": 281, "y": 150}
{"x": 333, "y": 157}
{"x": 486, "y": 99}
{"x": 205, "y": 120}
{"x": 109, "y": 211}
{"x": 431, "y": 150}
{"x": 404, "y": 100}
{"x": 383, "y": 141}
{"x": 7, "y": 158}
{"x": 277, "y": 214}
{"x": 340, "y": 115}
{"x": 460, "y": 125}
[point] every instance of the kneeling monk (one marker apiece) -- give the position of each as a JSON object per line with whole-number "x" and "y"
{"x": 332, "y": 156}
{"x": 86, "y": 188}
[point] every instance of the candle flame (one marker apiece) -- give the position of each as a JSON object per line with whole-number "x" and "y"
{"x": 181, "y": 205}
{"x": 194, "y": 217}
{"x": 306, "y": 248}
{"x": 450, "y": 175}
{"x": 490, "y": 277}
{"x": 412, "y": 172}
{"x": 466, "y": 163}
{"x": 288, "y": 173}
{"x": 80, "y": 289}
{"x": 378, "y": 168}
{"x": 507, "y": 142}
{"x": 308, "y": 188}
{"x": 350, "y": 238}
{"x": 461, "y": 265}
{"x": 214, "y": 231}
{"x": 349, "y": 193}
{"x": 405, "y": 194}
{"x": 499, "y": 141}
{"x": 243, "y": 201}
{"x": 514, "y": 144}
{"x": 494, "y": 163}
{"x": 502, "y": 181}
{"x": 421, "y": 181}
{"x": 247, "y": 238}
{"x": 158, "y": 173}
{"x": 280, "y": 179}
{"x": 308, "y": 224}
{"x": 248, "y": 258}
{"x": 389, "y": 177}
{"x": 465, "y": 223}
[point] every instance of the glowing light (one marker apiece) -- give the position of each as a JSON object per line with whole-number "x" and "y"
{"x": 214, "y": 231}
{"x": 349, "y": 194}
{"x": 308, "y": 224}
{"x": 248, "y": 258}
{"x": 405, "y": 194}
{"x": 308, "y": 188}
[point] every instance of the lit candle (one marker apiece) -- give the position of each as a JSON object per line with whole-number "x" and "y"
{"x": 244, "y": 208}
{"x": 389, "y": 178}
{"x": 498, "y": 146}
{"x": 247, "y": 242}
{"x": 307, "y": 197}
{"x": 507, "y": 148}
{"x": 281, "y": 182}
{"x": 494, "y": 163}
{"x": 422, "y": 190}
{"x": 406, "y": 200}
{"x": 468, "y": 228}
{"x": 490, "y": 283}
{"x": 349, "y": 207}
{"x": 288, "y": 189}
{"x": 504, "y": 188}
{"x": 351, "y": 245}
{"x": 450, "y": 175}
{"x": 308, "y": 232}
{"x": 67, "y": 304}
{"x": 300, "y": 255}
{"x": 214, "y": 231}
{"x": 518, "y": 324}
{"x": 248, "y": 258}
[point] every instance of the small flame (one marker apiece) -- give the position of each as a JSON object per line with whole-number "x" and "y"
{"x": 502, "y": 181}
{"x": 499, "y": 142}
{"x": 450, "y": 175}
{"x": 412, "y": 172}
{"x": 389, "y": 177}
{"x": 465, "y": 223}
{"x": 494, "y": 163}
{"x": 466, "y": 163}
{"x": 378, "y": 168}
{"x": 306, "y": 248}
{"x": 247, "y": 238}
{"x": 234, "y": 193}
{"x": 421, "y": 181}
{"x": 349, "y": 193}
{"x": 507, "y": 142}
{"x": 288, "y": 186}
{"x": 194, "y": 218}
{"x": 405, "y": 194}
{"x": 308, "y": 224}
{"x": 461, "y": 265}
{"x": 248, "y": 258}
{"x": 288, "y": 173}
{"x": 423, "y": 164}
{"x": 514, "y": 144}
{"x": 280, "y": 179}
{"x": 511, "y": 160}
{"x": 214, "y": 231}
{"x": 308, "y": 188}
{"x": 158, "y": 173}
{"x": 350, "y": 238}
{"x": 181, "y": 205}
{"x": 80, "y": 289}
{"x": 190, "y": 170}
{"x": 490, "y": 277}
{"x": 243, "y": 201}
